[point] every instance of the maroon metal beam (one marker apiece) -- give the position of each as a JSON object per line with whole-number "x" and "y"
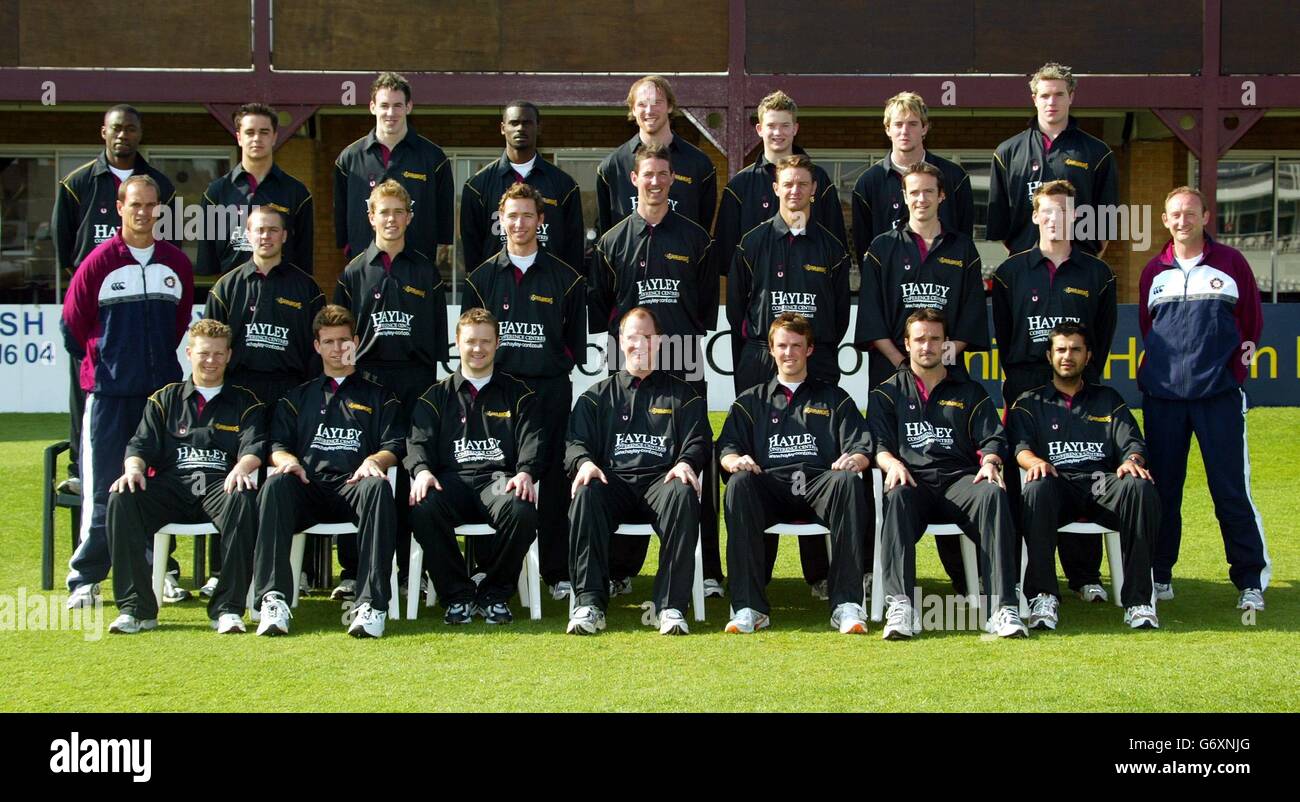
{"x": 1212, "y": 24}
{"x": 737, "y": 86}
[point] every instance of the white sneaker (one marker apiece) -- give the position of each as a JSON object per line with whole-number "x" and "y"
{"x": 367, "y": 622}
{"x": 561, "y": 590}
{"x": 229, "y": 624}
{"x": 713, "y": 588}
{"x": 126, "y": 624}
{"x": 172, "y": 590}
{"x": 84, "y": 596}
{"x": 1251, "y": 599}
{"x": 586, "y": 620}
{"x": 850, "y": 619}
{"x": 208, "y": 589}
{"x": 1044, "y": 611}
{"x": 747, "y": 620}
{"x": 1164, "y": 590}
{"x": 620, "y": 587}
{"x": 275, "y": 615}
{"x": 899, "y": 620}
{"x": 820, "y": 590}
{"x": 1142, "y": 616}
{"x": 1006, "y": 623}
{"x": 1092, "y": 593}
{"x": 672, "y": 622}
{"x": 346, "y": 591}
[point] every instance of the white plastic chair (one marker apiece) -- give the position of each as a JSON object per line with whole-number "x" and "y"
{"x": 1114, "y": 555}
{"x": 161, "y": 542}
{"x": 299, "y": 546}
{"x": 697, "y": 589}
{"x": 969, "y": 553}
{"x": 530, "y": 582}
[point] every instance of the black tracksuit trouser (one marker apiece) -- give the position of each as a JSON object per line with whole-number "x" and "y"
{"x": 1129, "y": 505}
{"x": 981, "y": 508}
{"x": 755, "y": 501}
{"x": 465, "y": 500}
{"x": 134, "y": 517}
{"x": 287, "y": 505}
{"x": 597, "y": 509}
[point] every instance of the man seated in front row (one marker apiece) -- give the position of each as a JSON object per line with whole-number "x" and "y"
{"x": 332, "y": 442}
{"x": 468, "y": 433}
{"x": 638, "y": 443}
{"x": 203, "y": 439}
{"x": 793, "y": 446}
{"x": 940, "y": 445}
{"x": 1083, "y": 454}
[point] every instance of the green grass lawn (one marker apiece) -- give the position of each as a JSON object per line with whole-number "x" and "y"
{"x": 1202, "y": 658}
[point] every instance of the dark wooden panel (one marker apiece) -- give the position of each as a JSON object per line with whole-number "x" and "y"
{"x": 614, "y": 36}
{"x": 504, "y": 35}
{"x": 852, "y": 36}
{"x": 446, "y": 35}
{"x": 1259, "y": 36}
{"x": 1091, "y": 36}
{"x": 8, "y": 34}
{"x": 141, "y": 33}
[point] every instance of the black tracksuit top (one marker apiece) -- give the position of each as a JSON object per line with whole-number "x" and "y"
{"x": 774, "y": 272}
{"x": 805, "y": 433}
{"x": 748, "y": 200}
{"x": 668, "y": 267}
{"x": 495, "y": 431}
{"x": 401, "y": 313}
{"x": 638, "y": 429}
{"x": 694, "y": 193}
{"x": 562, "y": 231}
{"x": 1020, "y": 164}
{"x": 1028, "y": 302}
{"x": 173, "y": 438}
{"x": 331, "y": 433}
{"x": 271, "y": 319}
{"x": 896, "y": 282}
{"x": 542, "y": 319}
{"x": 1095, "y": 431}
{"x": 85, "y": 208}
{"x": 941, "y": 438}
{"x": 279, "y": 191}
{"x": 879, "y": 207}
{"x": 415, "y": 163}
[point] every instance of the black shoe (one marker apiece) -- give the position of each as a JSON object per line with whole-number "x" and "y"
{"x": 497, "y": 613}
{"x": 459, "y": 613}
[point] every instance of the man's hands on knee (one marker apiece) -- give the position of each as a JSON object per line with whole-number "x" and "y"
{"x": 733, "y": 463}
{"x": 421, "y": 484}
{"x": 684, "y": 474}
{"x": 587, "y": 472}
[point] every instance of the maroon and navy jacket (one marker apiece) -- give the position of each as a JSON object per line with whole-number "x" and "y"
{"x": 1196, "y": 323}
{"x": 129, "y": 318}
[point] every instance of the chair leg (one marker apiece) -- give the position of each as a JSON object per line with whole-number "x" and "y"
{"x": 160, "y": 543}
{"x": 295, "y": 564}
{"x": 1116, "y": 557}
{"x": 697, "y": 588}
{"x": 412, "y": 587}
{"x": 1024, "y": 566}
{"x": 970, "y": 562}
{"x": 534, "y": 582}
{"x": 394, "y": 607}
{"x": 877, "y": 579}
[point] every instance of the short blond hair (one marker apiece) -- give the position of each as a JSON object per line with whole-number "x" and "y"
{"x": 777, "y": 101}
{"x": 793, "y": 323}
{"x": 1057, "y": 187}
{"x": 478, "y": 316}
{"x": 661, "y": 83}
{"x": 1186, "y": 190}
{"x": 212, "y": 329}
{"x": 1051, "y": 71}
{"x": 522, "y": 191}
{"x": 904, "y": 102}
{"x": 389, "y": 189}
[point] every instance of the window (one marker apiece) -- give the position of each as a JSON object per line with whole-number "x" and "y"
{"x": 27, "y": 273}
{"x": 191, "y": 170}
{"x": 1258, "y": 202}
